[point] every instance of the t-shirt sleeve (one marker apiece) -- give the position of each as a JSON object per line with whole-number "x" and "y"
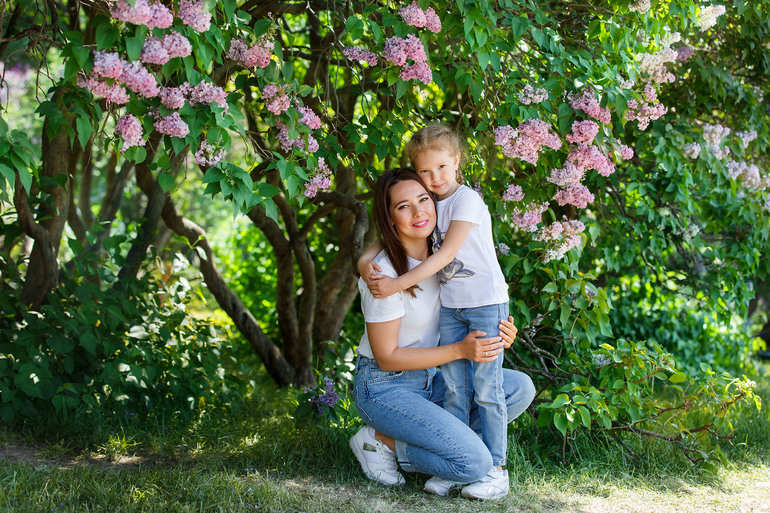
{"x": 384, "y": 309}
{"x": 468, "y": 206}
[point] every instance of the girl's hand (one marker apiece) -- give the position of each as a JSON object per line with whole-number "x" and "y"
{"x": 369, "y": 271}
{"x": 382, "y": 286}
{"x": 477, "y": 349}
{"x": 508, "y": 331}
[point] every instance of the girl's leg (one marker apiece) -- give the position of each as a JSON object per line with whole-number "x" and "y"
{"x": 488, "y": 392}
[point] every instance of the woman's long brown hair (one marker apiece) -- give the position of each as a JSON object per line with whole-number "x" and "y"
{"x": 388, "y": 234}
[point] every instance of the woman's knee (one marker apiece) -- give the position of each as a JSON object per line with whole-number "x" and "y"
{"x": 477, "y": 464}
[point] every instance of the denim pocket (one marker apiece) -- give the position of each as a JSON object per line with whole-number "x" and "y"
{"x": 380, "y": 376}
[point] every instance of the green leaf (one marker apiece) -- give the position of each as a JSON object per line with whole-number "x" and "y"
{"x": 566, "y": 310}
{"x": 677, "y": 377}
{"x": 18, "y": 45}
{"x": 401, "y": 87}
{"x": 166, "y": 181}
{"x": 484, "y": 58}
{"x": 267, "y": 190}
{"x": 560, "y": 401}
{"x": 83, "y": 124}
{"x": 560, "y": 421}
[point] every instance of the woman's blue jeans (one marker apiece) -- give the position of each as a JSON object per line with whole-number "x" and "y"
{"x": 407, "y": 405}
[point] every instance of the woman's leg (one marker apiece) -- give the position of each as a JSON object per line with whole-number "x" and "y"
{"x": 428, "y": 438}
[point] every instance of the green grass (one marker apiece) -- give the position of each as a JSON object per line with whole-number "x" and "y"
{"x": 255, "y": 458}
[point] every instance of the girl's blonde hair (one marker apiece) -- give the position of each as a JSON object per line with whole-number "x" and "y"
{"x": 437, "y": 136}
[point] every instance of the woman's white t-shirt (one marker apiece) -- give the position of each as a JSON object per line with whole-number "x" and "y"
{"x": 419, "y": 315}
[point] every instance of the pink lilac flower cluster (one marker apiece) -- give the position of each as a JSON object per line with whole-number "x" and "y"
{"x": 172, "y": 97}
{"x": 650, "y": 108}
{"x": 193, "y": 14}
{"x": 107, "y": 64}
{"x": 583, "y": 132}
{"x": 560, "y": 237}
{"x": 276, "y": 100}
{"x": 139, "y": 80}
{"x": 176, "y": 45}
{"x": 153, "y": 52}
{"x": 707, "y": 17}
{"x": 155, "y": 15}
{"x": 713, "y": 134}
{"x": 531, "y": 216}
{"x": 208, "y": 155}
{"x": 503, "y": 248}
{"x": 640, "y": 6}
{"x": 309, "y": 117}
{"x": 322, "y": 180}
{"x": 257, "y": 55}
{"x": 532, "y": 95}
{"x": 359, "y": 53}
{"x": 115, "y": 93}
{"x": 691, "y": 150}
{"x": 569, "y": 175}
{"x": 130, "y": 129}
{"x": 172, "y": 125}
{"x": 746, "y": 137}
{"x": 588, "y": 156}
{"x": 526, "y": 141}
{"x": 400, "y": 50}
{"x": 559, "y": 229}
{"x": 577, "y": 195}
{"x": 589, "y": 104}
{"x": 684, "y": 52}
{"x": 513, "y": 193}
{"x": 416, "y": 17}
{"x": 207, "y": 93}
{"x": 287, "y": 144}
{"x": 626, "y": 152}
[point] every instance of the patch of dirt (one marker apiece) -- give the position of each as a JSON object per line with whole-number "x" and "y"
{"x": 31, "y": 455}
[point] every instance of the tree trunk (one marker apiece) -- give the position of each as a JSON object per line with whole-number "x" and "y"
{"x": 43, "y": 267}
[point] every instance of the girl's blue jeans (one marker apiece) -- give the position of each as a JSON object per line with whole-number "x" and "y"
{"x": 473, "y": 384}
{"x": 407, "y": 405}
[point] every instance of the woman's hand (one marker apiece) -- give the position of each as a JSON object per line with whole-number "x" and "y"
{"x": 478, "y": 349}
{"x": 508, "y": 331}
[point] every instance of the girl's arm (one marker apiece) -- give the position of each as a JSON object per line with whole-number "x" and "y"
{"x": 383, "y": 338}
{"x": 455, "y": 236}
{"x": 367, "y": 269}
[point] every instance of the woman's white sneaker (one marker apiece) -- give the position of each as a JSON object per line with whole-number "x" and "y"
{"x": 440, "y": 486}
{"x": 377, "y": 461}
{"x": 492, "y": 486}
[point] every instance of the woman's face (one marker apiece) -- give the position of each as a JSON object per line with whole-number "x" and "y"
{"x": 412, "y": 210}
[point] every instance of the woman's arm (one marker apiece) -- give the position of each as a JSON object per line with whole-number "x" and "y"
{"x": 383, "y": 339}
{"x": 455, "y": 237}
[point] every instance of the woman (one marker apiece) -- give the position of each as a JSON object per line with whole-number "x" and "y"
{"x": 397, "y": 388}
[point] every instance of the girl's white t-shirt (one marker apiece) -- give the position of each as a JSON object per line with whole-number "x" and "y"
{"x": 474, "y": 277}
{"x": 419, "y": 315}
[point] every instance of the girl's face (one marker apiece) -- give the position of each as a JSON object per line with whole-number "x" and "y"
{"x": 438, "y": 170}
{"x": 412, "y": 211}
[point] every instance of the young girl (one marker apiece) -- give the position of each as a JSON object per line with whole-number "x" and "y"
{"x": 474, "y": 294}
